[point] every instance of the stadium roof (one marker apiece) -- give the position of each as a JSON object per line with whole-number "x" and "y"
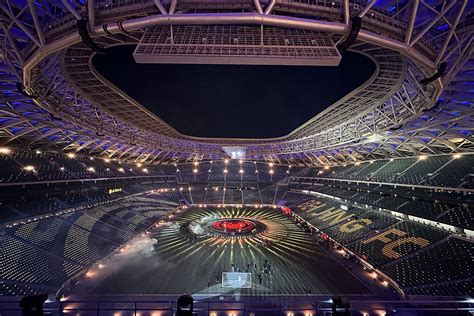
{"x": 53, "y": 97}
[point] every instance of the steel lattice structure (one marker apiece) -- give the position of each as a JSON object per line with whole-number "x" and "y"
{"x": 52, "y": 97}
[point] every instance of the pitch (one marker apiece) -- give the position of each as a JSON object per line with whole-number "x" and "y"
{"x": 191, "y": 252}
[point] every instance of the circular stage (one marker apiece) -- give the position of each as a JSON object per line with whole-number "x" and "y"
{"x": 226, "y": 227}
{"x": 233, "y": 226}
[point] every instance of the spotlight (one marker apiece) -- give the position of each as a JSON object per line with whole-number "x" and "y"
{"x": 29, "y": 168}
{"x": 195, "y": 170}
{"x": 457, "y": 156}
{"x": 71, "y": 155}
{"x": 185, "y": 305}
{"x": 5, "y": 150}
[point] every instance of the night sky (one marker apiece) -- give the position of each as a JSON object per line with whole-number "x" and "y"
{"x": 233, "y": 100}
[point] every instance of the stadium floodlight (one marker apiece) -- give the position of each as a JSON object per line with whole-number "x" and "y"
{"x": 196, "y": 163}
{"x": 38, "y": 152}
{"x": 457, "y": 156}
{"x": 241, "y": 171}
{"x": 71, "y": 155}
{"x": 145, "y": 170}
{"x": 107, "y": 160}
{"x": 271, "y": 171}
{"x": 139, "y": 165}
{"x": 195, "y": 170}
{"x": 29, "y": 168}
{"x": 121, "y": 170}
{"x": 422, "y": 157}
{"x": 5, "y": 150}
{"x": 91, "y": 158}
{"x": 225, "y": 171}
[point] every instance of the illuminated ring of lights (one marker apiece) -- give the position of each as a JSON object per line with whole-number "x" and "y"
{"x": 235, "y": 227}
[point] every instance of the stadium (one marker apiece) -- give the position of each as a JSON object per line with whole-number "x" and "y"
{"x": 333, "y": 176}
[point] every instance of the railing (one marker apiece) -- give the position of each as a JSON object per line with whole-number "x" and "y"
{"x": 310, "y": 305}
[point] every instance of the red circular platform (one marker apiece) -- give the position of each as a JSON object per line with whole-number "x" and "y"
{"x": 239, "y": 226}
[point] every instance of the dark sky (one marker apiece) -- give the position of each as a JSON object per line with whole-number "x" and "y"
{"x": 233, "y": 100}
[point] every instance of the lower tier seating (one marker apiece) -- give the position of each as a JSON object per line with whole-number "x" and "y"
{"x": 43, "y": 253}
{"x": 437, "y": 267}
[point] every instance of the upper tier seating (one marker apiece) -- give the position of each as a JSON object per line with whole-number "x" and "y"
{"x": 30, "y": 166}
{"x": 435, "y": 170}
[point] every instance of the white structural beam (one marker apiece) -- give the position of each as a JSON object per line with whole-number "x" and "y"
{"x": 91, "y": 13}
{"x": 71, "y": 9}
{"x": 36, "y": 22}
{"x": 258, "y": 6}
{"x": 367, "y": 8}
{"x": 160, "y": 7}
{"x": 270, "y": 6}
{"x": 411, "y": 22}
